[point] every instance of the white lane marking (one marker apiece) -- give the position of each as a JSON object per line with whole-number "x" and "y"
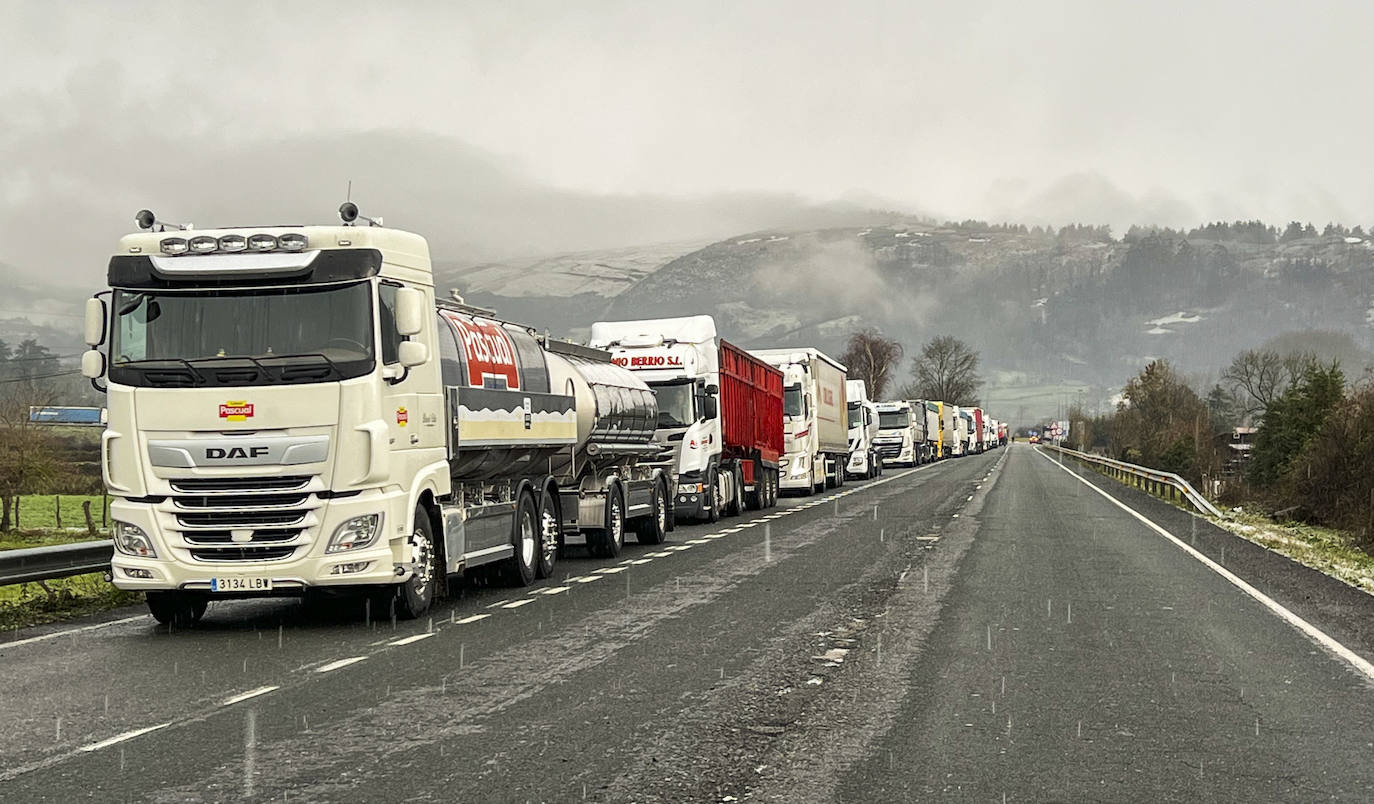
{"x": 970, "y": 498}
{"x": 554, "y": 590}
{"x": 499, "y": 603}
{"x": 661, "y": 554}
{"x": 927, "y": 538}
{"x": 590, "y": 578}
{"x": 609, "y": 570}
{"x": 627, "y": 561}
{"x": 408, "y": 640}
{"x": 243, "y": 696}
{"x": 748, "y": 525}
{"x": 956, "y": 516}
{"x": 731, "y": 530}
{"x": 642, "y": 561}
{"x": 713, "y": 536}
{"x": 515, "y": 604}
{"x": 340, "y": 663}
{"x": 70, "y": 631}
{"x": 678, "y": 548}
{"x": 474, "y": 618}
{"x": 1311, "y": 631}
{"x": 697, "y": 541}
{"x": 119, "y": 738}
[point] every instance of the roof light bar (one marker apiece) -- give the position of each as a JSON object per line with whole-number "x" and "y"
{"x": 233, "y": 243}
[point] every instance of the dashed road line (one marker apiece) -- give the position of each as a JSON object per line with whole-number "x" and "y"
{"x": 590, "y": 578}
{"x": 554, "y": 590}
{"x": 515, "y": 604}
{"x": 243, "y": 696}
{"x": 410, "y": 639}
{"x": 474, "y": 618}
{"x": 609, "y": 570}
{"x": 341, "y": 663}
{"x": 119, "y": 738}
{"x": 660, "y": 554}
{"x": 499, "y": 603}
{"x": 642, "y": 561}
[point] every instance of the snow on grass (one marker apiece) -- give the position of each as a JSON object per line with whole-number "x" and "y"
{"x": 1323, "y": 549}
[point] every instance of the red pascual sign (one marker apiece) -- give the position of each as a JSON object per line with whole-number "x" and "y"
{"x": 489, "y": 352}
{"x": 647, "y": 361}
{"x": 236, "y": 411}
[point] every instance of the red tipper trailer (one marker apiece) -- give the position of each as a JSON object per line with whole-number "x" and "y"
{"x": 751, "y": 413}
{"x": 978, "y": 430}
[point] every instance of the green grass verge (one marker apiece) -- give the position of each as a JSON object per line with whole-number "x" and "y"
{"x": 26, "y": 604}
{"x": 1323, "y": 549}
{"x": 40, "y": 511}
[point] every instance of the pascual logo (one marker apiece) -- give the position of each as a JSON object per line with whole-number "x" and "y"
{"x": 235, "y": 453}
{"x": 236, "y": 411}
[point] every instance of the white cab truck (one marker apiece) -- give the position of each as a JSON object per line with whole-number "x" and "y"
{"x": 816, "y": 422}
{"x": 898, "y": 439}
{"x": 967, "y": 426}
{"x": 719, "y": 411}
{"x": 291, "y": 411}
{"x": 864, "y": 461}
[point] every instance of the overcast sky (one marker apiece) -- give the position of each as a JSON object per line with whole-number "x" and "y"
{"x": 1094, "y": 111}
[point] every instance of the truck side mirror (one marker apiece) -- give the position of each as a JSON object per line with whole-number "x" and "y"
{"x": 93, "y": 364}
{"x": 410, "y": 312}
{"x": 412, "y": 353}
{"x": 710, "y": 408}
{"x": 95, "y": 322}
{"x": 712, "y": 390}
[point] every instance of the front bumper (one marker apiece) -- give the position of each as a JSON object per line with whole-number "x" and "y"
{"x": 182, "y": 565}
{"x": 794, "y": 472}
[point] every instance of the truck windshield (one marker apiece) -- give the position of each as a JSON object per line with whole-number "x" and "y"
{"x": 261, "y": 336}
{"x": 894, "y": 420}
{"x": 676, "y": 404}
{"x": 792, "y": 401}
{"x": 856, "y": 416}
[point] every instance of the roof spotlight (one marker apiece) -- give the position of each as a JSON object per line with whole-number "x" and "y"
{"x": 348, "y": 213}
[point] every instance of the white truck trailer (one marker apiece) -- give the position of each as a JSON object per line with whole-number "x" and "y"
{"x": 950, "y": 425}
{"x": 864, "y": 460}
{"x": 931, "y": 450}
{"x": 719, "y": 412}
{"x": 898, "y": 439}
{"x": 816, "y": 431}
{"x": 291, "y": 411}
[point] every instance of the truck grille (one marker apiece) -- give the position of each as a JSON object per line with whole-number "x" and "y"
{"x": 889, "y": 450}
{"x": 272, "y": 517}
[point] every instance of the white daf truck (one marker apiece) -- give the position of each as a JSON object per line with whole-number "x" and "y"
{"x": 292, "y": 411}
{"x": 898, "y": 440}
{"x": 864, "y": 461}
{"x": 816, "y": 421}
{"x": 719, "y": 411}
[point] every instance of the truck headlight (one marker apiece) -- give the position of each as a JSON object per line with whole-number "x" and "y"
{"x": 132, "y": 541}
{"x": 355, "y": 534}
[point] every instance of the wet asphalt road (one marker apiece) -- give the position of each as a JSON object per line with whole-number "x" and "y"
{"x": 976, "y": 628}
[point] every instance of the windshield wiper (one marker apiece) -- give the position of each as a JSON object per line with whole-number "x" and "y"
{"x": 252, "y": 360}
{"x": 338, "y": 372}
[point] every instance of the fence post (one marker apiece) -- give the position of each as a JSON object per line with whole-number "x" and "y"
{"x": 57, "y": 509}
{"x": 16, "y": 512}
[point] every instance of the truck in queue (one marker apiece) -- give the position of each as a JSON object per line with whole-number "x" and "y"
{"x": 949, "y": 431}
{"x": 816, "y": 432}
{"x": 292, "y": 411}
{"x": 864, "y": 461}
{"x": 963, "y": 428}
{"x": 933, "y": 447}
{"x": 978, "y": 431}
{"x": 899, "y": 440}
{"x": 720, "y": 420}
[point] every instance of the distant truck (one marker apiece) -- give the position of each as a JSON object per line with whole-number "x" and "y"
{"x": 899, "y": 439}
{"x": 979, "y": 432}
{"x": 864, "y": 461}
{"x": 949, "y": 431}
{"x": 816, "y": 424}
{"x": 720, "y": 417}
{"x": 963, "y": 426}
{"x": 932, "y": 449}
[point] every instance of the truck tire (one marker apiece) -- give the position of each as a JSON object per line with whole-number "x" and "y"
{"x": 550, "y": 528}
{"x": 736, "y": 504}
{"x": 774, "y": 488}
{"x": 653, "y": 529}
{"x": 713, "y": 495}
{"x": 839, "y": 473}
{"x": 829, "y": 482}
{"x": 414, "y": 596}
{"x": 606, "y": 541}
{"x": 177, "y": 609}
{"x": 522, "y": 568}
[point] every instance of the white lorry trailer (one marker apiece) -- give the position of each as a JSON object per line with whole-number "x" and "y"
{"x": 719, "y": 412}
{"x": 898, "y": 441}
{"x": 292, "y": 411}
{"x": 864, "y": 461}
{"x": 950, "y": 427}
{"x": 816, "y": 431}
{"x": 931, "y": 450}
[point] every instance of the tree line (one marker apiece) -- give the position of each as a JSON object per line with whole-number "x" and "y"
{"x": 1312, "y": 453}
{"x": 946, "y": 368}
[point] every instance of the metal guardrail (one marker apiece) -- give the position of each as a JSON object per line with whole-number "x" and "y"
{"x": 1152, "y": 480}
{"x": 56, "y": 561}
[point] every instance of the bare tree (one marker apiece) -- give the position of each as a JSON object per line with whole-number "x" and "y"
{"x": 947, "y": 370}
{"x": 872, "y": 358}
{"x": 1260, "y": 377}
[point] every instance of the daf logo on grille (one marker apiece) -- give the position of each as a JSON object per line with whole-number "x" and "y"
{"x": 234, "y": 453}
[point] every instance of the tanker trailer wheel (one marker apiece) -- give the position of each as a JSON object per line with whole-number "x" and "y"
{"x": 606, "y": 541}
{"x": 549, "y": 527}
{"x": 414, "y": 597}
{"x": 521, "y": 568}
{"x": 176, "y": 609}
{"x": 653, "y": 529}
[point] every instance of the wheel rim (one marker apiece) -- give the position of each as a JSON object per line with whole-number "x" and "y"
{"x": 422, "y": 558}
{"x": 527, "y": 541}
{"x": 617, "y": 521}
{"x": 661, "y": 514}
{"x": 549, "y": 529}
